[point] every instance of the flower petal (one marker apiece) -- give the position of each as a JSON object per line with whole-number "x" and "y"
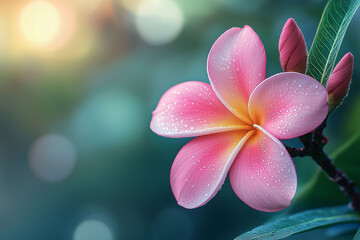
{"x": 201, "y": 166}
{"x": 289, "y": 105}
{"x": 263, "y": 174}
{"x": 236, "y": 65}
{"x": 191, "y": 109}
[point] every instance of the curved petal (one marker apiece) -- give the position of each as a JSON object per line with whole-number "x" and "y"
{"x": 263, "y": 174}
{"x": 236, "y": 65}
{"x": 289, "y": 105}
{"x": 191, "y": 109}
{"x": 201, "y": 166}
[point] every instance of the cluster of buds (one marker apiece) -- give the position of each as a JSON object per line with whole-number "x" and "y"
{"x": 293, "y": 58}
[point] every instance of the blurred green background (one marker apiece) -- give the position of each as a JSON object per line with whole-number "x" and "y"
{"x": 78, "y": 82}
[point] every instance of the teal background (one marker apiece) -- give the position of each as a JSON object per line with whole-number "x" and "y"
{"x": 102, "y": 104}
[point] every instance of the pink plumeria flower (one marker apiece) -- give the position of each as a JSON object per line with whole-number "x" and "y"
{"x": 237, "y": 121}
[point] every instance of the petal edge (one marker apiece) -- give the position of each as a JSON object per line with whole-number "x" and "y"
{"x": 289, "y": 104}
{"x": 236, "y": 65}
{"x": 201, "y": 166}
{"x": 192, "y": 109}
{"x": 263, "y": 174}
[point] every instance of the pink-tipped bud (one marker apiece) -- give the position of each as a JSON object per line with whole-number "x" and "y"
{"x": 292, "y": 48}
{"x": 339, "y": 81}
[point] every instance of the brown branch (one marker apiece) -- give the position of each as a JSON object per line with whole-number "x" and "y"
{"x": 314, "y": 143}
{"x": 294, "y": 152}
{"x": 339, "y": 177}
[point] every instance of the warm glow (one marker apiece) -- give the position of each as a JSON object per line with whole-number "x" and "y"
{"x": 40, "y": 22}
{"x": 89, "y": 6}
{"x": 130, "y": 5}
{"x": 3, "y": 40}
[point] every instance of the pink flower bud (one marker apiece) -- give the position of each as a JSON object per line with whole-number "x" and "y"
{"x": 339, "y": 81}
{"x": 292, "y": 48}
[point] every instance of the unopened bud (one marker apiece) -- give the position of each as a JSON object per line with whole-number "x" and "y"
{"x": 339, "y": 81}
{"x": 292, "y": 48}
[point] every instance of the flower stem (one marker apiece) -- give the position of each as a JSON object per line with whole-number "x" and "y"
{"x": 339, "y": 177}
{"x": 314, "y": 143}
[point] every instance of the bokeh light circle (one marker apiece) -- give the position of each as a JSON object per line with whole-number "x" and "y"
{"x": 159, "y": 22}
{"x": 107, "y": 119}
{"x": 52, "y": 158}
{"x": 40, "y": 22}
{"x": 92, "y": 230}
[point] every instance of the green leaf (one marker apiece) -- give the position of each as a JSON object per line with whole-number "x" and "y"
{"x": 301, "y": 222}
{"x": 357, "y": 235}
{"x": 329, "y": 35}
{"x": 320, "y": 190}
